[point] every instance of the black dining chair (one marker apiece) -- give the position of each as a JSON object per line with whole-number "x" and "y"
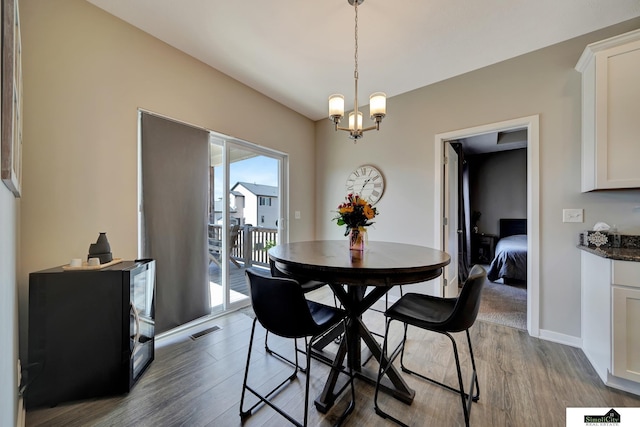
{"x": 281, "y": 308}
{"x": 441, "y": 315}
{"x": 306, "y": 286}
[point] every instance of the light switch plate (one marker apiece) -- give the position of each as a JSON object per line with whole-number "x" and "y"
{"x": 296, "y": 214}
{"x": 572, "y": 215}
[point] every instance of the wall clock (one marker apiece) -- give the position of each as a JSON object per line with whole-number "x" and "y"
{"x": 366, "y": 181}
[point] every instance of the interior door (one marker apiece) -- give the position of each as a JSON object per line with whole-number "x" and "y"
{"x": 450, "y": 223}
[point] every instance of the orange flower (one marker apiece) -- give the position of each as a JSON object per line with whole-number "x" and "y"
{"x": 369, "y": 212}
{"x": 356, "y": 212}
{"x": 346, "y": 209}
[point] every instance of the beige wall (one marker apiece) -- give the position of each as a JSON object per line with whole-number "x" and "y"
{"x": 543, "y": 82}
{"x": 86, "y": 73}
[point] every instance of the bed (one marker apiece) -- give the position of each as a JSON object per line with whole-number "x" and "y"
{"x": 510, "y": 260}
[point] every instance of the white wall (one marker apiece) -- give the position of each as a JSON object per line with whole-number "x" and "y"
{"x": 86, "y": 73}
{"x": 9, "y": 208}
{"x": 543, "y": 82}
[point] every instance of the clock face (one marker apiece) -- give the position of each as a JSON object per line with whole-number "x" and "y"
{"x": 367, "y": 182}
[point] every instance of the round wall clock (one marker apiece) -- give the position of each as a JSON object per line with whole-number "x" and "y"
{"x": 367, "y": 182}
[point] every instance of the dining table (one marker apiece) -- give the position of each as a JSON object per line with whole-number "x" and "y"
{"x": 359, "y": 279}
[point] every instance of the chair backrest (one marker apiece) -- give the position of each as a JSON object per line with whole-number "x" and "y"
{"x": 279, "y": 304}
{"x": 274, "y": 271}
{"x": 468, "y": 302}
{"x": 234, "y": 232}
{"x": 215, "y": 238}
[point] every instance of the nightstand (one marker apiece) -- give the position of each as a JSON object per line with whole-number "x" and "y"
{"x": 483, "y": 247}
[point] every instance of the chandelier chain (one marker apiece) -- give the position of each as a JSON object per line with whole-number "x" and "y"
{"x": 355, "y": 56}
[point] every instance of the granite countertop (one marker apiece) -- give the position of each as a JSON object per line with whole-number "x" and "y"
{"x": 622, "y": 254}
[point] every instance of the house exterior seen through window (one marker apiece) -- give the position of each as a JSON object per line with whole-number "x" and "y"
{"x": 265, "y": 201}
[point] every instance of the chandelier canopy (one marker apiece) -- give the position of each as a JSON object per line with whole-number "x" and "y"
{"x": 377, "y": 100}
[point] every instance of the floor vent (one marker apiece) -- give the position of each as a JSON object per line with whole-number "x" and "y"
{"x": 205, "y": 332}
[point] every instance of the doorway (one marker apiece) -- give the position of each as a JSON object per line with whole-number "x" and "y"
{"x": 531, "y": 124}
{"x": 247, "y": 199}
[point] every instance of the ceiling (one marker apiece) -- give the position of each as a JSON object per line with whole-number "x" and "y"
{"x": 300, "y": 52}
{"x": 494, "y": 141}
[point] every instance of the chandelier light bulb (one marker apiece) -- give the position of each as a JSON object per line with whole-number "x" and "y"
{"x": 351, "y": 121}
{"x": 336, "y": 107}
{"x": 378, "y": 105}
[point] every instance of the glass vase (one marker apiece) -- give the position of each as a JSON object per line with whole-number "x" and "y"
{"x": 357, "y": 238}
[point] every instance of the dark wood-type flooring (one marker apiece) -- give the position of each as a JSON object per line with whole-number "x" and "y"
{"x": 524, "y": 381}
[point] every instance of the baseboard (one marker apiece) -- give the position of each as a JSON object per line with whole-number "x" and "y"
{"x": 623, "y": 384}
{"x": 22, "y": 413}
{"x": 560, "y": 338}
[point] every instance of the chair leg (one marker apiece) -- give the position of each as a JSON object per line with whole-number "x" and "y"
{"x": 243, "y": 413}
{"x": 262, "y": 398}
{"x": 476, "y": 396}
{"x": 306, "y": 386}
{"x": 214, "y": 259}
{"x": 467, "y": 398}
{"x": 235, "y": 262}
{"x": 295, "y": 363}
{"x": 384, "y": 367}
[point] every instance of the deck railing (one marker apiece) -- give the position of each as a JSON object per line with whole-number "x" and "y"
{"x": 251, "y": 245}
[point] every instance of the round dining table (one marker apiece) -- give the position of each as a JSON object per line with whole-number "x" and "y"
{"x": 359, "y": 279}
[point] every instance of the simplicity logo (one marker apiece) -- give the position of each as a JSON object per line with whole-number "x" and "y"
{"x": 610, "y": 418}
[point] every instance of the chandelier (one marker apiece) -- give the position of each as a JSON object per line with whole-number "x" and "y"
{"x": 377, "y": 100}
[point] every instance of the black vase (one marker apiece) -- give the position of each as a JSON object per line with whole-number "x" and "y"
{"x": 101, "y": 249}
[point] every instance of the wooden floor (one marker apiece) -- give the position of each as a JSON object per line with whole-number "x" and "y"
{"x": 523, "y": 382}
{"x": 237, "y": 280}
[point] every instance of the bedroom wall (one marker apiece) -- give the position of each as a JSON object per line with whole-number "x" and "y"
{"x": 498, "y": 187}
{"x": 543, "y": 82}
{"x": 86, "y": 73}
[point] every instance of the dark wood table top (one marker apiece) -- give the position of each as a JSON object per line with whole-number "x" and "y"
{"x": 381, "y": 263}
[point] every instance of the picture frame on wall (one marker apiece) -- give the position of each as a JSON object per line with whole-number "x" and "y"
{"x": 11, "y": 99}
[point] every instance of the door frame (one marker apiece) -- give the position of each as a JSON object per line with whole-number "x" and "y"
{"x": 227, "y": 142}
{"x": 531, "y": 123}
{"x": 450, "y": 242}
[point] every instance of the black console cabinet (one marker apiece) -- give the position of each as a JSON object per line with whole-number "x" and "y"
{"x": 91, "y": 333}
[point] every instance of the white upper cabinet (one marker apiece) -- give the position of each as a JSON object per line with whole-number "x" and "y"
{"x": 611, "y": 113}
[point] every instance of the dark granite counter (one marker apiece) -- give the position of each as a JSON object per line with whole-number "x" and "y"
{"x": 622, "y": 254}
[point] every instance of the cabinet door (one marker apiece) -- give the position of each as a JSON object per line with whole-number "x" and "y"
{"x": 596, "y": 312}
{"x": 617, "y": 124}
{"x": 626, "y": 339}
{"x": 610, "y": 101}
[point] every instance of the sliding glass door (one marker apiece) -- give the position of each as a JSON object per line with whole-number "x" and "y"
{"x": 246, "y": 216}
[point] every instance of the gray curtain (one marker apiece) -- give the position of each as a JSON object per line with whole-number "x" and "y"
{"x": 175, "y": 186}
{"x": 463, "y": 222}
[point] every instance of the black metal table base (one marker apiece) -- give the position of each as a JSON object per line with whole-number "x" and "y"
{"x": 356, "y": 302}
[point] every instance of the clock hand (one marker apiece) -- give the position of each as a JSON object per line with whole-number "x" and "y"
{"x": 365, "y": 183}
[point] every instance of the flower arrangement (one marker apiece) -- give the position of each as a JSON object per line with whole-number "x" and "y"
{"x": 355, "y": 213}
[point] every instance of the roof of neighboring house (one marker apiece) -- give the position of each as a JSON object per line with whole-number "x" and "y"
{"x": 217, "y": 207}
{"x": 258, "y": 189}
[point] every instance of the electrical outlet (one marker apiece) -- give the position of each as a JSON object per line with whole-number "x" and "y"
{"x": 572, "y": 215}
